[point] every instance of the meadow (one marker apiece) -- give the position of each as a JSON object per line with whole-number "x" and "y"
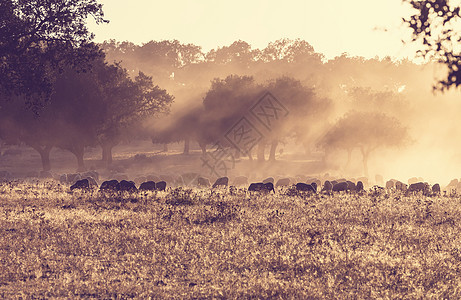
{"x": 226, "y": 243}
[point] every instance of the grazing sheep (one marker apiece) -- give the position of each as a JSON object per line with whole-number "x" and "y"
{"x": 340, "y": 187}
{"x": 359, "y": 186}
{"x": 222, "y": 181}
{"x": 256, "y": 187}
{"x": 72, "y": 178}
{"x": 261, "y": 187}
{"x": 160, "y": 186}
{"x": 400, "y": 186}
{"x": 364, "y": 181}
{"x": 240, "y": 180}
{"x": 127, "y": 186}
{"x": 63, "y": 178}
{"x": 147, "y": 186}
{"x": 418, "y": 187}
{"x": 269, "y": 179}
{"x": 202, "y": 181}
{"x": 390, "y": 184}
{"x": 327, "y": 186}
{"x": 304, "y": 187}
{"x": 110, "y": 185}
{"x": 80, "y": 184}
{"x": 269, "y": 186}
{"x": 316, "y": 181}
{"x": 314, "y": 185}
{"x": 436, "y": 188}
{"x": 351, "y": 186}
{"x": 283, "y": 182}
{"x": 92, "y": 181}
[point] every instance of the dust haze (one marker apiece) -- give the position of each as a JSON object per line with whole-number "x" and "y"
{"x": 347, "y": 117}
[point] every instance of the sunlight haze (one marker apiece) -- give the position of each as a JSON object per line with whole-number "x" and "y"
{"x": 359, "y": 27}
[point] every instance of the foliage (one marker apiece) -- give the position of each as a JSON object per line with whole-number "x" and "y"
{"x": 365, "y": 130}
{"x": 224, "y": 244}
{"x": 436, "y": 24}
{"x": 40, "y": 38}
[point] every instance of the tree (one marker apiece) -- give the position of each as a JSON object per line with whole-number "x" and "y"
{"x": 127, "y": 103}
{"x": 306, "y": 112}
{"x": 435, "y": 25}
{"x": 38, "y": 39}
{"x": 67, "y": 121}
{"x": 366, "y": 131}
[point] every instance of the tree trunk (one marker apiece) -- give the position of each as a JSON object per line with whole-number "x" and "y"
{"x": 186, "y": 146}
{"x": 79, "y": 152}
{"x": 237, "y": 154}
{"x": 44, "y": 152}
{"x": 45, "y": 156}
{"x": 260, "y": 153}
{"x": 107, "y": 154}
{"x": 250, "y": 157}
{"x": 273, "y": 149}
{"x": 365, "y": 154}
{"x": 203, "y": 147}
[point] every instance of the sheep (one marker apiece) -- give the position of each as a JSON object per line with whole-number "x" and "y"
{"x": 127, "y": 186}
{"x": 327, "y": 186}
{"x": 80, "y": 184}
{"x": 222, "y": 181}
{"x": 261, "y": 187}
{"x": 160, "y": 186}
{"x": 304, "y": 187}
{"x": 109, "y": 185}
{"x": 340, "y": 187}
{"x": 147, "y": 186}
{"x": 359, "y": 186}
{"x": 202, "y": 181}
{"x": 283, "y": 182}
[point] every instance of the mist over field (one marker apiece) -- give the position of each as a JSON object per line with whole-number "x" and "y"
{"x": 189, "y": 99}
{"x": 303, "y": 152}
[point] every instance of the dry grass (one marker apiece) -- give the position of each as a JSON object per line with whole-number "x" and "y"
{"x": 226, "y": 244}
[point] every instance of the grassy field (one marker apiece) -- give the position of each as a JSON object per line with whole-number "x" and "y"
{"x": 226, "y": 243}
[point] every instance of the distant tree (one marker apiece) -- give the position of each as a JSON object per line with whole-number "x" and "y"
{"x": 436, "y": 25}
{"x": 126, "y": 103}
{"x": 307, "y": 112}
{"x": 298, "y": 51}
{"x": 76, "y": 109}
{"x": 67, "y": 121}
{"x": 366, "y": 131}
{"x": 239, "y": 52}
{"x": 40, "y": 38}
{"x": 225, "y": 103}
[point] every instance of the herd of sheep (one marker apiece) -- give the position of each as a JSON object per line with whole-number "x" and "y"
{"x": 311, "y": 185}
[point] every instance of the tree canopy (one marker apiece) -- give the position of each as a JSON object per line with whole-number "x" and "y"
{"x": 38, "y": 39}
{"x": 436, "y": 24}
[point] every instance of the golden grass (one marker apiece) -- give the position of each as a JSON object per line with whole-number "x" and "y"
{"x": 226, "y": 244}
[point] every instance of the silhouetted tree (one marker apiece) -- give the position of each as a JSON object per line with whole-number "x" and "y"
{"x": 38, "y": 39}
{"x": 435, "y": 25}
{"x": 366, "y": 131}
{"x": 126, "y": 103}
{"x": 307, "y": 113}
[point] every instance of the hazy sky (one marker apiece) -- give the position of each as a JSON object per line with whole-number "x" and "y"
{"x": 358, "y": 27}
